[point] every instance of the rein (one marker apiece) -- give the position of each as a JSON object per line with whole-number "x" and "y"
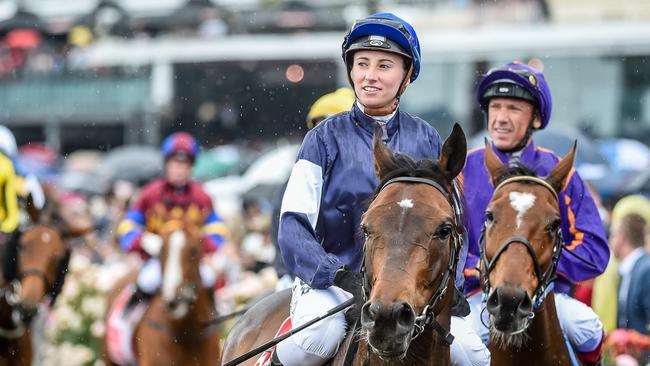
{"x": 428, "y": 316}
{"x": 544, "y": 280}
{"x": 204, "y": 325}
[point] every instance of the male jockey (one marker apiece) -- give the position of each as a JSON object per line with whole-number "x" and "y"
{"x": 332, "y": 180}
{"x": 174, "y": 195}
{"x": 516, "y": 101}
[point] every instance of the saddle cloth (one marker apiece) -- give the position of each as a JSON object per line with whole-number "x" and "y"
{"x": 265, "y": 358}
{"x": 119, "y": 332}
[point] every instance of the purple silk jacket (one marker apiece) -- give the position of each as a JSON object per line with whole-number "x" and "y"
{"x": 582, "y": 227}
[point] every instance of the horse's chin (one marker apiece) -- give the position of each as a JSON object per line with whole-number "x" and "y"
{"x": 389, "y": 348}
{"x": 509, "y": 334}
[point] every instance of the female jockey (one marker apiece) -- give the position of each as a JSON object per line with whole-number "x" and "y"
{"x": 334, "y": 177}
{"x": 516, "y": 101}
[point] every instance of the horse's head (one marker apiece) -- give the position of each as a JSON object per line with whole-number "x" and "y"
{"x": 411, "y": 241}
{"x": 34, "y": 265}
{"x": 180, "y": 257}
{"x": 522, "y": 242}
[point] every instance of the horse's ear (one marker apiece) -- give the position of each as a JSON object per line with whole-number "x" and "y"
{"x": 493, "y": 164}
{"x": 558, "y": 176}
{"x": 454, "y": 151}
{"x": 384, "y": 161}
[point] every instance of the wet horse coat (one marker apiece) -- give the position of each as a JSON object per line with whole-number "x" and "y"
{"x": 411, "y": 232}
{"x": 177, "y": 327}
{"x": 520, "y": 250}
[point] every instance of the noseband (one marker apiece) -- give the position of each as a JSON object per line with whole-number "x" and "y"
{"x": 544, "y": 280}
{"x": 428, "y": 316}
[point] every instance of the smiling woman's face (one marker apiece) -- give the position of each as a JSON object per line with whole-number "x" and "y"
{"x": 376, "y": 76}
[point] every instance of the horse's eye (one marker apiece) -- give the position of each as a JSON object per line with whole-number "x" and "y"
{"x": 444, "y": 232}
{"x": 364, "y": 230}
{"x": 489, "y": 216}
{"x": 554, "y": 226}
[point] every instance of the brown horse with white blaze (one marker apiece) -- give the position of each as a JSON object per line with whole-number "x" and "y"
{"x": 520, "y": 250}
{"x": 413, "y": 236}
{"x": 178, "y": 327}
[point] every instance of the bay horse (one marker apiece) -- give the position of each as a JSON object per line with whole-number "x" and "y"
{"x": 412, "y": 231}
{"x": 178, "y": 327}
{"x": 520, "y": 249}
{"x": 34, "y": 265}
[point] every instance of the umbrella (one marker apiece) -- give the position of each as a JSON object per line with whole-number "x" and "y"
{"x": 273, "y": 167}
{"x": 217, "y": 162}
{"x": 591, "y": 164}
{"x": 137, "y": 164}
{"x": 625, "y": 154}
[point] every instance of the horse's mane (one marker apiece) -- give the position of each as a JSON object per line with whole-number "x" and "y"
{"x": 405, "y": 166}
{"x": 515, "y": 170}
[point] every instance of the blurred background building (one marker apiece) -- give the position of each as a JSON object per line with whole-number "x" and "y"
{"x": 96, "y": 74}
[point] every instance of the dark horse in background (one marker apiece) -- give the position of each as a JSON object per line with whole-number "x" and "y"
{"x": 34, "y": 264}
{"x": 412, "y": 238}
{"x": 522, "y": 243}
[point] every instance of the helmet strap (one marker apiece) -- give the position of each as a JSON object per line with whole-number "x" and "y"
{"x": 386, "y": 110}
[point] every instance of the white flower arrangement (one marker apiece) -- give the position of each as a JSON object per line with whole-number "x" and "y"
{"x": 76, "y": 324}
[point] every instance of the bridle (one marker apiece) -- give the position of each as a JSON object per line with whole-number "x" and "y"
{"x": 428, "y": 315}
{"x": 11, "y": 292}
{"x": 545, "y": 279}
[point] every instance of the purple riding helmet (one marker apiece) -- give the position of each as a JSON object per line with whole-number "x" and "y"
{"x": 517, "y": 80}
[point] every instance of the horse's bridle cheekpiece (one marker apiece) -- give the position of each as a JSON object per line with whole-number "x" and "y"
{"x": 427, "y": 316}
{"x": 544, "y": 280}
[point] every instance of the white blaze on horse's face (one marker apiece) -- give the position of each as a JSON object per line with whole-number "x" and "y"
{"x": 521, "y": 202}
{"x": 173, "y": 275}
{"x": 406, "y": 203}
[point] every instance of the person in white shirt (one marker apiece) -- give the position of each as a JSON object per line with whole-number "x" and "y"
{"x": 627, "y": 240}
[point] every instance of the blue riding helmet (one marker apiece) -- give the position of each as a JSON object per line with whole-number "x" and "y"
{"x": 180, "y": 144}
{"x": 520, "y": 81}
{"x": 384, "y": 32}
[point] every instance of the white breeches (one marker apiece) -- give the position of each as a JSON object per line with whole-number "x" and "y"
{"x": 150, "y": 276}
{"x": 315, "y": 345}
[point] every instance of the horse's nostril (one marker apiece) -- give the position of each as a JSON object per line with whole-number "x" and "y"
{"x": 493, "y": 302}
{"x": 369, "y": 312}
{"x": 526, "y": 305}
{"x": 405, "y": 314}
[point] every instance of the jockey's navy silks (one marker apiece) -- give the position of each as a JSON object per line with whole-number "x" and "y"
{"x": 321, "y": 211}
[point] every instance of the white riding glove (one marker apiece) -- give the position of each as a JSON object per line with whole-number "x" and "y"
{"x": 151, "y": 243}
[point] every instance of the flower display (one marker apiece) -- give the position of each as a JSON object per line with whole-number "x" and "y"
{"x": 76, "y": 323}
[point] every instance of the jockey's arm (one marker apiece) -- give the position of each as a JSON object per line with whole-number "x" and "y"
{"x": 10, "y": 219}
{"x": 214, "y": 233}
{"x": 583, "y": 233}
{"x": 130, "y": 230}
{"x": 302, "y": 252}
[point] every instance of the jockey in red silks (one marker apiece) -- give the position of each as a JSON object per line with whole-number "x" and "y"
{"x": 174, "y": 195}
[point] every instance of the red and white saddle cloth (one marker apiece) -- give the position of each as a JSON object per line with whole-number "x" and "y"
{"x": 265, "y": 358}
{"x": 119, "y": 332}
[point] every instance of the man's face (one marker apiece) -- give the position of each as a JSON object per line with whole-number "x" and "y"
{"x": 508, "y": 120}
{"x": 178, "y": 171}
{"x": 616, "y": 240}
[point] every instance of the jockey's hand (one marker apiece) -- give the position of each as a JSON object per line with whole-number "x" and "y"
{"x": 350, "y": 282}
{"x": 151, "y": 243}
